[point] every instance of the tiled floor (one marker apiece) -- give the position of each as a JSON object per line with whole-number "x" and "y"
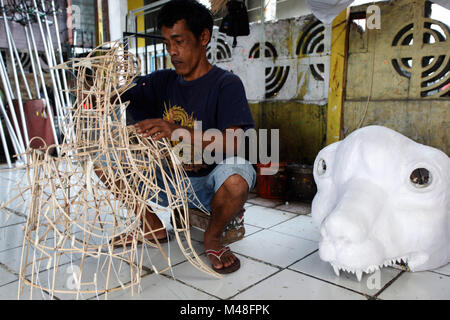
{"x": 279, "y": 260}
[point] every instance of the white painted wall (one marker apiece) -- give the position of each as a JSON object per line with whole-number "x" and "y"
{"x": 300, "y": 83}
{"x": 291, "y": 8}
{"x": 117, "y": 9}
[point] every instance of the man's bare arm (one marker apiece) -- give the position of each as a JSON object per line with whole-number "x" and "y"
{"x": 160, "y": 128}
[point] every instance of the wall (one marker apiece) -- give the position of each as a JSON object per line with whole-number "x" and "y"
{"x": 135, "y": 4}
{"x": 117, "y": 10}
{"x": 408, "y": 91}
{"x": 292, "y": 8}
{"x": 18, "y": 30}
{"x": 287, "y": 85}
{"x": 87, "y": 23}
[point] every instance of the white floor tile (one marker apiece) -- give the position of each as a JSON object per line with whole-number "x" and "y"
{"x": 443, "y": 270}
{"x": 249, "y": 229}
{"x": 16, "y": 204}
{"x": 295, "y": 207}
{"x": 10, "y": 292}
{"x": 154, "y": 257}
{"x": 91, "y": 270}
{"x": 230, "y": 284}
{"x": 197, "y": 234}
{"x": 11, "y": 236}
{"x": 265, "y": 217}
{"x": 269, "y": 203}
{"x": 11, "y": 259}
{"x": 290, "y": 285}
{"x": 6, "y": 277}
{"x": 12, "y": 174}
{"x": 418, "y": 286}
{"x": 8, "y": 191}
{"x": 370, "y": 284}
{"x": 274, "y": 247}
{"x": 158, "y": 287}
{"x": 92, "y": 266}
{"x": 8, "y": 218}
{"x": 301, "y": 227}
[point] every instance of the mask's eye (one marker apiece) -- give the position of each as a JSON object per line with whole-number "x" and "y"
{"x": 420, "y": 178}
{"x": 321, "y": 167}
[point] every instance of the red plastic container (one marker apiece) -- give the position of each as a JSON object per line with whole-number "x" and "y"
{"x": 271, "y": 186}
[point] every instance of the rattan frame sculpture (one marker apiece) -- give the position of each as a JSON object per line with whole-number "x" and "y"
{"x": 74, "y": 216}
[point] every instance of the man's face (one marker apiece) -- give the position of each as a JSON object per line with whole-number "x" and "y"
{"x": 186, "y": 51}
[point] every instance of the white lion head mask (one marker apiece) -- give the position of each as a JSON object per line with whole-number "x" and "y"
{"x": 382, "y": 198}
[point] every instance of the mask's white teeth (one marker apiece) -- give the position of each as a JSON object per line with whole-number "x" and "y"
{"x": 336, "y": 271}
{"x": 370, "y": 269}
{"x": 359, "y": 275}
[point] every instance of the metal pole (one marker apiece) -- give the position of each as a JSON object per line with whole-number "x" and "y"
{"x": 5, "y": 146}
{"x": 146, "y": 48}
{"x": 2, "y": 66}
{"x": 16, "y": 80}
{"x": 36, "y": 57}
{"x": 19, "y": 63}
{"x": 17, "y": 132}
{"x": 51, "y": 52}
{"x": 12, "y": 134}
{"x": 49, "y": 109}
{"x": 33, "y": 65}
{"x": 61, "y": 60}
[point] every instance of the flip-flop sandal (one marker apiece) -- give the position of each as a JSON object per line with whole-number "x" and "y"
{"x": 218, "y": 254}
{"x": 119, "y": 242}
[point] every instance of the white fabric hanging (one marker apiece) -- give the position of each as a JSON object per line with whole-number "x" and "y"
{"x": 327, "y": 10}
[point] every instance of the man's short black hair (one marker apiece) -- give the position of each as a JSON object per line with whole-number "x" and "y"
{"x": 197, "y": 16}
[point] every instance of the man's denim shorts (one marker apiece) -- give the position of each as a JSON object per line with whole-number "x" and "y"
{"x": 204, "y": 188}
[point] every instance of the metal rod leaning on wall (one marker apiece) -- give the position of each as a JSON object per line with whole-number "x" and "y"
{"x": 25, "y": 139}
{"x": 61, "y": 59}
{"x": 17, "y": 144}
{"x": 39, "y": 68}
{"x": 34, "y": 54}
{"x": 56, "y": 95}
{"x": 33, "y": 64}
{"x": 51, "y": 51}
{"x": 63, "y": 71}
{"x": 19, "y": 63}
{"x": 3, "y": 67}
{"x": 5, "y": 146}
{"x": 12, "y": 134}
{"x": 9, "y": 94}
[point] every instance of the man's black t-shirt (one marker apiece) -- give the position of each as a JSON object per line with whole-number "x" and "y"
{"x": 217, "y": 99}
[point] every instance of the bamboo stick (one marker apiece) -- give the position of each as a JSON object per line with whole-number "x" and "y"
{"x": 66, "y": 194}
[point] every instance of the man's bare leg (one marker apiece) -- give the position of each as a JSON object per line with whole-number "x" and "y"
{"x": 150, "y": 220}
{"x": 227, "y": 201}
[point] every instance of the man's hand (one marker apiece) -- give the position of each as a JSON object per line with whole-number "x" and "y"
{"x": 156, "y": 128}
